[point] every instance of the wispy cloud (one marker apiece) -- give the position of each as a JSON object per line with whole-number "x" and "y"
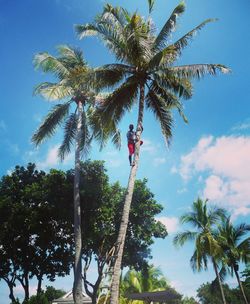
{"x": 242, "y": 126}
{"x": 171, "y": 223}
{"x": 52, "y": 159}
{"x": 159, "y": 161}
{"x": 224, "y": 164}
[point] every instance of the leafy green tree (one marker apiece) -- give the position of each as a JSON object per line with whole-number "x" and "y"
{"x": 146, "y": 71}
{"x": 51, "y": 293}
{"x": 235, "y": 247}
{"x": 33, "y": 215}
{"x": 204, "y": 220}
{"x": 187, "y": 300}
{"x": 207, "y": 294}
{"x": 71, "y": 71}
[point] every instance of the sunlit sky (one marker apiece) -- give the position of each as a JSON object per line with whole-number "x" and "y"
{"x": 209, "y": 157}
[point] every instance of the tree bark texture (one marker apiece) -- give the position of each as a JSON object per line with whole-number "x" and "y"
{"x": 240, "y": 285}
{"x": 220, "y": 283}
{"x": 77, "y": 287}
{"x": 114, "y": 294}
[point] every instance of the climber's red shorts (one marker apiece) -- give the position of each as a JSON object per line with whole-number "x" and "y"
{"x": 131, "y": 147}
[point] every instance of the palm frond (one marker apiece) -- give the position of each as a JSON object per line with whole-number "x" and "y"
{"x": 181, "y": 238}
{"x": 180, "y": 86}
{"x": 197, "y": 70}
{"x": 50, "y": 123}
{"x": 119, "y": 101}
{"x": 53, "y": 91}
{"x": 108, "y": 34}
{"x": 183, "y": 41}
{"x": 169, "y": 26}
{"x": 49, "y": 63}
{"x": 86, "y": 138}
{"x": 69, "y": 136}
{"x": 150, "y": 5}
{"x": 198, "y": 260}
{"x": 108, "y": 75}
{"x": 85, "y": 30}
{"x": 162, "y": 112}
{"x": 164, "y": 57}
{"x": 72, "y": 58}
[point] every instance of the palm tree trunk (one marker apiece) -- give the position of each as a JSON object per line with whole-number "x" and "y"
{"x": 77, "y": 287}
{"x": 240, "y": 285}
{"x": 114, "y": 296}
{"x": 219, "y": 280}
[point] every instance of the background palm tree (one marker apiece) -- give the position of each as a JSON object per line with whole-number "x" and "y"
{"x": 203, "y": 219}
{"x": 235, "y": 248}
{"x": 71, "y": 71}
{"x": 150, "y": 278}
{"x": 146, "y": 71}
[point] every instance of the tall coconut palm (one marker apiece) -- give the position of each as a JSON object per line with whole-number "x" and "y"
{"x": 204, "y": 220}
{"x": 235, "y": 248}
{"x": 71, "y": 71}
{"x": 146, "y": 71}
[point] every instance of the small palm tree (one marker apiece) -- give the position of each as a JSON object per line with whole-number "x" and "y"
{"x": 206, "y": 246}
{"x": 235, "y": 248}
{"x": 71, "y": 72}
{"x": 149, "y": 279}
{"x": 146, "y": 70}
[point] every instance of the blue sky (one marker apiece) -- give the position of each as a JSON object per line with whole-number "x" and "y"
{"x": 208, "y": 157}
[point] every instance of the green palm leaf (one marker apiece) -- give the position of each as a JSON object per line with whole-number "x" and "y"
{"x": 150, "y": 5}
{"x": 162, "y": 112}
{"x": 48, "y": 63}
{"x": 121, "y": 100}
{"x": 108, "y": 75}
{"x": 181, "y": 238}
{"x": 183, "y": 42}
{"x": 51, "y": 122}
{"x": 69, "y": 135}
{"x": 53, "y": 91}
{"x": 168, "y": 27}
{"x": 86, "y": 138}
{"x": 197, "y": 70}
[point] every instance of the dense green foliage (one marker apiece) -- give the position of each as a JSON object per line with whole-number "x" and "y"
{"x": 207, "y": 294}
{"x": 36, "y": 212}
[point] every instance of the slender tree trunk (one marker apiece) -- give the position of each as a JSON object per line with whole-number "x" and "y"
{"x": 114, "y": 296}
{"x": 77, "y": 287}
{"x": 219, "y": 280}
{"x": 240, "y": 285}
{"x": 39, "y": 284}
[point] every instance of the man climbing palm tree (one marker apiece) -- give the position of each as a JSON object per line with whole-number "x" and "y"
{"x": 131, "y": 137}
{"x": 147, "y": 75}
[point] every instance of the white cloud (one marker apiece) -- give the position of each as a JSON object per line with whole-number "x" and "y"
{"x": 19, "y": 289}
{"x": 159, "y": 161}
{"x": 53, "y": 160}
{"x": 171, "y": 223}
{"x": 148, "y": 146}
{"x": 224, "y": 163}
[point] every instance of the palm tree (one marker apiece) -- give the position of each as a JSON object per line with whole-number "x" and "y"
{"x": 150, "y": 278}
{"x": 71, "y": 71}
{"x": 146, "y": 70}
{"x": 235, "y": 248}
{"x": 206, "y": 246}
